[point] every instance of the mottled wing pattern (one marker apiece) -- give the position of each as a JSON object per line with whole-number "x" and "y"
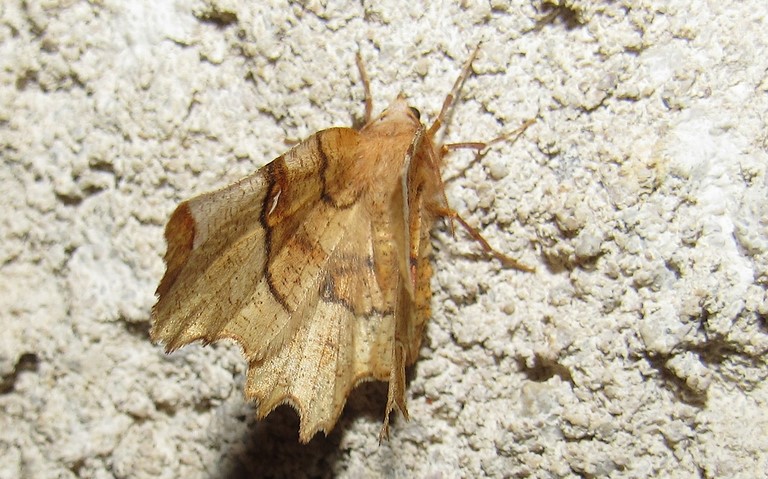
{"x": 290, "y": 263}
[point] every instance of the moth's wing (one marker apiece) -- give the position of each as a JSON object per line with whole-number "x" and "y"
{"x": 286, "y": 262}
{"x": 411, "y": 219}
{"x": 219, "y": 246}
{"x": 345, "y": 337}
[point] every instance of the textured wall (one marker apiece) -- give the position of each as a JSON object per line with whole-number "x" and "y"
{"x": 637, "y": 349}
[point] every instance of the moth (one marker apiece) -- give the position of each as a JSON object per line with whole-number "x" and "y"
{"x": 318, "y": 264}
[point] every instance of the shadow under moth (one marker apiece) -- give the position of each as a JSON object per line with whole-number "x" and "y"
{"x": 318, "y": 264}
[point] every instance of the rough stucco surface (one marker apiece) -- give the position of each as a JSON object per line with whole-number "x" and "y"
{"x": 637, "y": 349}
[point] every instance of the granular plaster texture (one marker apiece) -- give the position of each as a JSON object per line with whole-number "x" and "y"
{"x": 636, "y": 349}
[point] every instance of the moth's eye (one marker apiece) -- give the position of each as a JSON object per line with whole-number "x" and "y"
{"x": 415, "y": 112}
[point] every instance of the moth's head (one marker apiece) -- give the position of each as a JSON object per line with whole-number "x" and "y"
{"x": 398, "y": 115}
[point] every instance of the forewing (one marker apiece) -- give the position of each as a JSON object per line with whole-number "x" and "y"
{"x": 286, "y": 263}
{"x": 345, "y": 335}
{"x": 218, "y": 244}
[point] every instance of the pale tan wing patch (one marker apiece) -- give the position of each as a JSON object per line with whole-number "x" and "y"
{"x": 218, "y": 243}
{"x": 345, "y": 334}
{"x": 290, "y": 269}
{"x": 330, "y": 354}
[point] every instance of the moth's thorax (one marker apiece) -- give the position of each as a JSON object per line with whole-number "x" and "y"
{"x": 383, "y": 148}
{"x": 396, "y": 120}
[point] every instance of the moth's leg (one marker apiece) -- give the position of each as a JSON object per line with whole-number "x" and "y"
{"x": 479, "y": 146}
{"x": 366, "y": 88}
{"x": 505, "y": 260}
{"x": 449, "y": 99}
{"x": 433, "y": 163}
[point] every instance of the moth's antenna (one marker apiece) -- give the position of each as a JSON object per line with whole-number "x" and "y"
{"x": 449, "y": 99}
{"x": 366, "y": 87}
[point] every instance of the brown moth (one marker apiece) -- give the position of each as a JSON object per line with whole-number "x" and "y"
{"x": 317, "y": 264}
